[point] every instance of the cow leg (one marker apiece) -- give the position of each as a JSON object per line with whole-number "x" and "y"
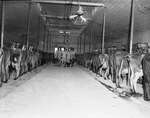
{"x": 117, "y": 79}
{"x": 114, "y": 75}
{"x": 6, "y": 74}
{"x": 21, "y": 70}
{"x": 118, "y": 82}
{"x": 94, "y": 68}
{"x": 146, "y": 90}
{"x": 100, "y": 71}
{"x": 26, "y": 67}
{"x": 1, "y": 82}
{"x": 131, "y": 82}
{"x": 110, "y": 74}
{"x": 106, "y": 73}
{"x": 91, "y": 66}
{"x": 134, "y": 83}
{"x": 17, "y": 72}
{"x": 127, "y": 80}
{"x": 146, "y": 83}
{"x": 3, "y": 74}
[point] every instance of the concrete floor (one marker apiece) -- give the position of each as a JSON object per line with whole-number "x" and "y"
{"x": 59, "y": 92}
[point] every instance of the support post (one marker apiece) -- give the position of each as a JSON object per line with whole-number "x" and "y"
{"x": 103, "y": 30}
{"x": 90, "y": 44}
{"x": 38, "y": 34}
{"x": 131, "y": 28}
{"x": 47, "y": 40}
{"x": 28, "y": 25}
{"x": 50, "y": 43}
{"x": 80, "y": 43}
{"x": 84, "y": 41}
{"x": 2, "y": 22}
{"x": 44, "y": 37}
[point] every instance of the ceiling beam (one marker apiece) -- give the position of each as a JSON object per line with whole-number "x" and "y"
{"x": 58, "y": 34}
{"x": 54, "y": 17}
{"x": 71, "y": 31}
{"x": 57, "y": 25}
{"x": 71, "y": 3}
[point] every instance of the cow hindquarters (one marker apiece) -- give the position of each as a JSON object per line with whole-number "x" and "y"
{"x": 17, "y": 70}
{"x": 6, "y": 74}
{"x": 146, "y": 90}
{"x": 146, "y": 80}
{"x": 134, "y": 78}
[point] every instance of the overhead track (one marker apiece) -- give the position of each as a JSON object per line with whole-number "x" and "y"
{"x": 70, "y": 3}
{"x": 54, "y": 17}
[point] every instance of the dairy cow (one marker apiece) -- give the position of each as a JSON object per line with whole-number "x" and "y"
{"x": 15, "y": 58}
{"x": 146, "y": 77}
{"x": 23, "y": 63}
{"x": 116, "y": 66}
{"x": 96, "y": 63}
{"x": 111, "y": 59}
{"x": 133, "y": 63}
{"x": 6, "y": 64}
{"x": 103, "y": 65}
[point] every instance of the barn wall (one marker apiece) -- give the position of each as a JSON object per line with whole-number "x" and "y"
{"x": 17, "y": 37}
{"x": 97, "y": 43}
{"x": 9, "y": 37}
{"x": 58, "y": 41}
{"x": 143, "y": 37}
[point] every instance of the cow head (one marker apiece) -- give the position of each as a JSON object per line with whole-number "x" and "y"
{"x": 13, "y": 47}
{"x": 24, "y": 47}
{"x": 17, "y": 45}
{"x": 30, "y": 48}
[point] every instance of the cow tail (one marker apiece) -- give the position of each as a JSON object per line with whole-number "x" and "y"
{"x": 129, "y": 69}
{"x": 99, "y": 67}
{"x": 114, "y": 68}
{"x": 119, "y": 74}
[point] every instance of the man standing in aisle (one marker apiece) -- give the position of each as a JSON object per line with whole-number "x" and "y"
{"x": 72, "y": 59}
{"x": 64, "y": 54}
{"x": 59, "y": 54}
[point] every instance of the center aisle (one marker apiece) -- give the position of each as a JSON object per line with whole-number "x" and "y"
{"x": 59, "y": 92}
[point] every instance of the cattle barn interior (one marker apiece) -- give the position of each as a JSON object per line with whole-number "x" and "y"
{"x": 54, "y": 17}
{"x": 107, "y": 40}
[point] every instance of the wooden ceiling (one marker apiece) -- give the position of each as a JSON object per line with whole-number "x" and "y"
{"x": 117, "y": 17}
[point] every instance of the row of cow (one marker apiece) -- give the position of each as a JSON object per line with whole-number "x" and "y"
{"x": 120, "y": 66}
{"x": 20, "y": 61}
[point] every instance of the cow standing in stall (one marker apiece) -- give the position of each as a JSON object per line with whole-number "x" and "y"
{"x": 15, "y": 58}
{"x": 1, "y": 67}
{"x": 103, "y": 65}
{"x": 23, "y": 64}
{"x": 133, "y": 63}
{"x": 6, "y": 64}
{"x": 116, "y": 66}
{"x": 31, "y": 59}
{"x": 146, "y": 77}
{"x": 111, "y": 67}
{"x": 95, "y": 63}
